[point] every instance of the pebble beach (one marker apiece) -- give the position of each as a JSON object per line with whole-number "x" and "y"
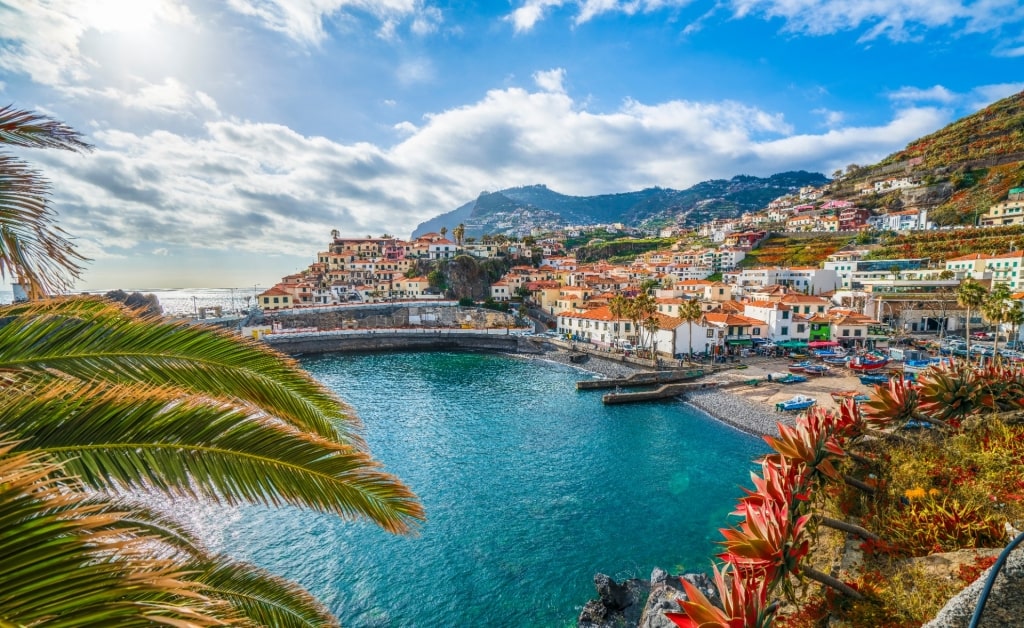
{"x": 745, "y": 406}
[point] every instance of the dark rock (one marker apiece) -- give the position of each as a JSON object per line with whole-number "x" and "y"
{"x": 617, "y": 606}
{"x": 667, "y": 592}
{"x": 640, "y": 603}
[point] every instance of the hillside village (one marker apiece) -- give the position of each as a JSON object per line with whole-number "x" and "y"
{"x": 695, "y": 294}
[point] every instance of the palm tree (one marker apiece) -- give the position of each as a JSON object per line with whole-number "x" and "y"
{"x": 458, "y": 232}
{"x": 970, "y": 294}
{"x": 691, "y": 313}
{"x": 619, "y": 306}
{"x": 444, "y": 231}
{"x": 1015, "y": 317}
{"x": 98, "y": 401}
{"x": 996, "y": 308}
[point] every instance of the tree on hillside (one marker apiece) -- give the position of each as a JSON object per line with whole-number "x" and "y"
{"x": 970, "y": 295}
{"x": 98, "y": 401}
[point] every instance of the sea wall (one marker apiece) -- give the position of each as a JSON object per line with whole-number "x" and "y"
{"x": 364, "y": 341}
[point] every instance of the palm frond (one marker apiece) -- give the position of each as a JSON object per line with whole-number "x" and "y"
{"x": 32, "y": 247}
{"x": 64, "y": 564}
{"x": 130, "y": 436}
{"x": 95, "y": 340}
{"x": 32, "y": 130}
{"x": 260, "y": 596}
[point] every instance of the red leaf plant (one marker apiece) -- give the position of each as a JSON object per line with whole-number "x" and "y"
{"x": 744, "y": 603}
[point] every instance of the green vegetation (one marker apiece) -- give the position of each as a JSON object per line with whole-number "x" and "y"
{"x": 620, "y": 250}
{"x": 795, "y": 251}
{"x": 899, "y": 492}
{"x": 941, "y": 245}
{"x": 99, "y": 401}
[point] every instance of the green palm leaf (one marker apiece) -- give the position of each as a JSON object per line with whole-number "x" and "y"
{"x": 31, "y": 130}
{"x": 64, "y": 564}
{"x": 131, "y": 437}
{"x": 259, "y": 596}
{"x": 94, "y": 340}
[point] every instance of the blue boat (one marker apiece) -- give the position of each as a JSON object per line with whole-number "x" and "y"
{"x": 800, "y": 402}
{"x": 792, "y": 379}
{"x": 837, "y": 360}
{"x": 874, "y": 378}
{"x": 816, "y": 369}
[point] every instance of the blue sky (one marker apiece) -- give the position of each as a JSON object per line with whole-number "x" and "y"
{"x": 231, "y": 137}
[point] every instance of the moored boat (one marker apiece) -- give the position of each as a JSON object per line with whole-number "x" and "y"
{"x": 874, "y": 378}
{"x": 799, "y": 402}
{"x": 816, "y": 369}
{"x": 837, "y": 360}
{"x": 868, "y": 362}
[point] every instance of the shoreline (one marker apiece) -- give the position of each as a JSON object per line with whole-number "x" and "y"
{"x": 723, "y": 405}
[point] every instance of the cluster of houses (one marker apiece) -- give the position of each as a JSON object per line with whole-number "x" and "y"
{"x": 852, "y": 300}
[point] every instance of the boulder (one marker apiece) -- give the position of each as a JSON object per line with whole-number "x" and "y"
{"x": 666, "y": 591}
{"x": 617, "y": 605}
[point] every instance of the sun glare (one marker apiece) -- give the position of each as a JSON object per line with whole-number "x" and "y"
{"x": 125, "y": 16}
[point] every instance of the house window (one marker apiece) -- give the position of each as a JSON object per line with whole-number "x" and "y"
{"x": 784, "y": 331}
{"x": 275, "y": 299}
{"x": 785, "y": 315}
{"x": 757, "y": 331}
{"x": 711, "y": 333}
{"x": 846, "y": 332}
{"x": 856, "y": 332}
{"x": 800, "y": 328}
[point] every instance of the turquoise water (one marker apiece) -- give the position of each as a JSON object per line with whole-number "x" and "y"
{"x": 530, "y": 489}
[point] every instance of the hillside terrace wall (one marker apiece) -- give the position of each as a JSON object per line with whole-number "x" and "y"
{"x": 389, "y": 315}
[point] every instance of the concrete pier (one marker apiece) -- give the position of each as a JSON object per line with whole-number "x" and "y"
{"x": 640, "y": 379}
{"x": 663, "y": 392}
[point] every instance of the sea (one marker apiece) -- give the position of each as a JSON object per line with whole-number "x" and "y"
{"x": 184, "y": 301}
{"x": 530, "y": 489}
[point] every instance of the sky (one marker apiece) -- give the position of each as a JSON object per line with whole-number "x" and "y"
{"x": 230, "y": 137}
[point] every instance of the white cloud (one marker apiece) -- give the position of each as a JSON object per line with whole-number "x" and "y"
{"x": 427, "y": 21}
{"x": 938, "y": 93}
{"x": 169, "y": 97}
{"x": 831, "y": 118}
{"x": 976, "y": 98}
{"x": 415, "y": 71}
{"x": 526, "y": 17}
{"x": 897, "y": 20}
{"x": 551, "y": 80}
{"x": 303, "y": 20}
{"x": 264, "y": 188}
{"x": 41, "y": 38}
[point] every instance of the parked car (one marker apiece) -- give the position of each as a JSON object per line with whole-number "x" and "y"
{"x": 982, "y": 335}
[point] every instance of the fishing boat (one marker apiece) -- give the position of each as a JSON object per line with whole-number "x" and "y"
{"x": 836, "y": 360}
{"x": 816, "y": 369}
{"x": 798, "y": 356}
{"x": 918, "y": 366}
{"x": 792, "y": 379}
{"x": 839, "y": 396}
{"x": 868, "y": 362}
{"x": 874, "y": 378}
{"x": 799, "y": 367}
{"x": 799, "y": 402}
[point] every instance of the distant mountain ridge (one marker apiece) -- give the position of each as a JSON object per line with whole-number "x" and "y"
{"x": 519, "y": 210}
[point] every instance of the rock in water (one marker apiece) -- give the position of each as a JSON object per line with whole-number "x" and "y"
{"x": 617, "y": 606}
{"x": 640, "y": 603}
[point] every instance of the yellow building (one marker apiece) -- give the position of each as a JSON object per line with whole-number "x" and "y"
{"x": 275, "y": 299}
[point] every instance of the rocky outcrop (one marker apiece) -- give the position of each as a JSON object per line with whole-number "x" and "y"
{"x": 640, "y": 603}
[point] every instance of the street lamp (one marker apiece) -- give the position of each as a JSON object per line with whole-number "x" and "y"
{"x": 195, "y": 306}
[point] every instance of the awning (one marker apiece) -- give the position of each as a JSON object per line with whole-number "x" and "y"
{"x": 823, "y": 343}
{"x": 739, "y": 342}
{"x": 792, "y": 344}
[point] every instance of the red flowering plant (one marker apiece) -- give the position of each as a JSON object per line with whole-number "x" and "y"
{"x": 744, "y": 603}
{"x": 895, "y": 404}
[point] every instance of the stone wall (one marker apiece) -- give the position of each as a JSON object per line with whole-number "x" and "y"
{"x": 400, "y": 340}
{"x": 384, "y": 315}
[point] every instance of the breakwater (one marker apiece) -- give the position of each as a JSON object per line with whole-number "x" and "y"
{"x": 378, "y": 340}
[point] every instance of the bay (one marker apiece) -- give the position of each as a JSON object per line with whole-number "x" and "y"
{"x": 530, "y": 488}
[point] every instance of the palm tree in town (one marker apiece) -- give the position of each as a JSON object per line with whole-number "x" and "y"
{"x": 458, "y": 232}
{"x": 691, "y": 312}
{"x": 996, "y": 308}
{"x": 618, "y": 305}
{"x": 970, "y": 295}
{"x": 98, "y": 401}
{"x": 1015, "y": 317}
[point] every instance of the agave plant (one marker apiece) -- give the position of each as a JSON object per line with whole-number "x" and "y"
{"x": 950, "y": 393}
{"x": 812, "y": 442}
{"x": 895, "y": 404}
{"x": 744, "y": 603}
{"x": 98, "y": 401}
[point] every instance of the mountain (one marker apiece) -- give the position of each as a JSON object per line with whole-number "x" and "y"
{"x": 519, "y": 210}
{"x": 961, "y": 169}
